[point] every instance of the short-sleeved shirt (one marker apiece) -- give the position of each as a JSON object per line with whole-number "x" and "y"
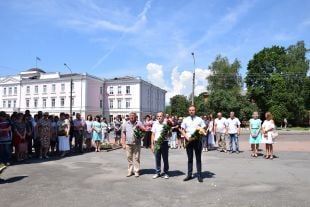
{"x": 220, "y": 125}
{"x": 190, "y": 124}
{"x": 128, "y": 128}
{"x": 79, "y": 124}
{"x": 233, "y": 125}
{"x": 157, "y": 129}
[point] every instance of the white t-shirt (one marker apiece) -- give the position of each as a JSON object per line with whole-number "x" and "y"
{"x": 156, "y": 129}
{"x": 220, "y": 125}
{"x": 190, "y": 124}
{"x": 233, "y": 125}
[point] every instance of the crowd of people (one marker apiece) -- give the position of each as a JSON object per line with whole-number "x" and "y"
{"x": 43, "y": 135}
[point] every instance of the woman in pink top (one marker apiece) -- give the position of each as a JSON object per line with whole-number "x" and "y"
{"x": 148, "y": 123}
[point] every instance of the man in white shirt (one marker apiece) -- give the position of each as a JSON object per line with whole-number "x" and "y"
{"x": 233, "y": 125}
{"x": 220, "y": 129}
{"x": 164, "y": 148}
{"x": 189, "y": 126}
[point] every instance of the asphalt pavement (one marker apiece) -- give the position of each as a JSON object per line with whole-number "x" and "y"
{"x": 99, "y": 179}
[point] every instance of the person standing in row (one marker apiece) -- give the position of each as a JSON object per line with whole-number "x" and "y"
{"x": 132, "y": 144}
{"x": 97, "y": 133}
{"x": 162, "y": 152}
{"x": 79, "y": 130}
{"x": 88, "y": 132}
{"x": 220, "y": 132}
{"x": 63, "y": 126}
{"x": 148, "y": 123}
{"x": 255, "y": 133}
{"x": 118, "y": 129}
{"x": 268, "y": 127}
{"x": 5, "y": 139}
{"x": 105, "y": 130}
{"x": 188, "y": 127}
{"x": 44, "y": 129}
{"x": 233, "y": 128}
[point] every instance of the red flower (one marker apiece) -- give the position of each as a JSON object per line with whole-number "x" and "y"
{"x": 169, "y": 122}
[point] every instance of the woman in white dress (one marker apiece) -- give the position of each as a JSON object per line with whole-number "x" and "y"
{"x": 63, "y": 134}
{"x": 267, "y": 138}
{"x": 211, "y": 141}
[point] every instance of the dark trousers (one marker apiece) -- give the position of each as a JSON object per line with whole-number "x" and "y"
{"x": 162, "y": 153}
{"x": 194, "y": 146}
{"x": 5, "y": 153}
{"x": 29, "y": 145}
{"x": 78, "y": 141}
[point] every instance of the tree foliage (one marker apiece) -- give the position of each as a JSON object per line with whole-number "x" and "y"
{"x": 277, "y": 81}
{"x": 179, "y": 105}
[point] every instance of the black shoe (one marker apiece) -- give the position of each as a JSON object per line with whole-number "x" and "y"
{"x": 189, "y": 177}
{"x": 200, "y": 180}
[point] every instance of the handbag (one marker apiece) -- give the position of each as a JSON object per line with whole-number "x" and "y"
{"x": 275, "y": 134}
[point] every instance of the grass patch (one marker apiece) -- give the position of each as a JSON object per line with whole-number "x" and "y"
{"x": 295, "y": 129}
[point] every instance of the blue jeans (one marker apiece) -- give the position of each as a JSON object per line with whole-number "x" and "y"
{"x": 233, "y": 138}
{"x": 5, "y": 153}
{"x": 162, "y": 152}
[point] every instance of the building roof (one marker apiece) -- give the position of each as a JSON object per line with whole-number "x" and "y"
{"x": 36, "y": 70}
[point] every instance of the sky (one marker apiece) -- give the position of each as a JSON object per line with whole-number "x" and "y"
{"x": 152, "y": 39}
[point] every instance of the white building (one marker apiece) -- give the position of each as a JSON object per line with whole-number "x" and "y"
{"x": 130, "y": 94}
{"x": 36, "y": 90}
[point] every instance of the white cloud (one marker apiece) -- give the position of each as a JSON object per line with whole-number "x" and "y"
{"x": 181, "y": 82}
{"x": 155, "y": 75}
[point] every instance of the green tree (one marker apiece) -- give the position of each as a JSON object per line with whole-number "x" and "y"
{"x": 179, "y": 105}
{"x": 225, "y": 76}
{"x": 277, "y": 81}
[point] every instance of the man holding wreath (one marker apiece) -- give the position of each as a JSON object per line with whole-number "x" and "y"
{"x": 188, "y": 127}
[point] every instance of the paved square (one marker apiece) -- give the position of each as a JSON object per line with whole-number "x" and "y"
{"x": 99, "y": 179}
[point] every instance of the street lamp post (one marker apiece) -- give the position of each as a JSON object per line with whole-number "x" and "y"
{"x": 193, "y": 88}
{"x": 71, "y": 83}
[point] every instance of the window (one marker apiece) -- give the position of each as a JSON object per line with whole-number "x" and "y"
{"x": 28, "y": 89}
{"x": 10, "y": 90}
{"x": 62, "y": 102}
{"x": 27, "y": 103}
{"x": 111, "y": 90}
{"x": 4, "y": 104}
{"x": 127, "y": 89}
{"x": 15, "y": 90}
{"x": 119, "y": 89}
{"x": 36, "y": 89}
{"x": 53, "y": 88}
{"x": 44, "y": 103}
{"x": 9, "y": 104}
{"x": 44, "y": 88}
{"x": 101, "y": 104}
{"x": 63, "y": 88}
{"x": 111, "y": 103}
{"x": 4, "y": 91}
{"x": 119, "y": 103}
{"x": 53, "y": 102}
{"x": 14, "y": 104}
{"x": 101, "y": 90}
{"x": 35, "y": 103}
{"x": 128, "y": 103}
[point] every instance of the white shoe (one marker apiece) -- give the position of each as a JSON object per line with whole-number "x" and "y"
{"x": 156, "y": 176}
{"x": 166, "y": 176}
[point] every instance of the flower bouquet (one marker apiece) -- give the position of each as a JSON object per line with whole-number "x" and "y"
{"x": 138, "y": 132}
{"x": 197, "y": 135}
{"x": 164, "y": 134}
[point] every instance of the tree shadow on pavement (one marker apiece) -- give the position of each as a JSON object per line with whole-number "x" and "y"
{"x": 175, "y": 173}
{"x": 147, "y": 171}
{"x": 12, "y": 179}
{"x": 207, "y": 174}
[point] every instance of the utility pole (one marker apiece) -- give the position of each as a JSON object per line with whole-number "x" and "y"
{"x": 193, "y": 87}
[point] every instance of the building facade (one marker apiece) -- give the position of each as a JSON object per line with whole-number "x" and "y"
{"x": 36, "y": 90}
{"x": 132, "y": 94}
